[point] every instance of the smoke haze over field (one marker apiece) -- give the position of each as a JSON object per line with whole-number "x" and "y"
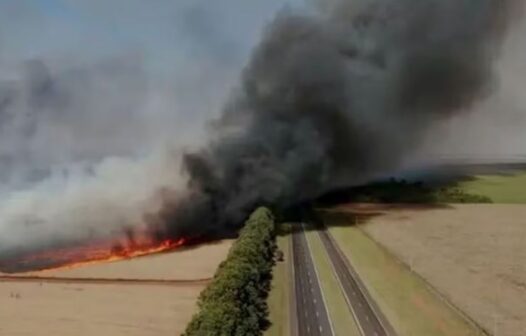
{"x": 336, "y": 92}
{"x": 95, "y": 108}
{"x": 332, "y": 99}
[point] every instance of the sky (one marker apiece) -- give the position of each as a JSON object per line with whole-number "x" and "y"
{"x": 135, "y": 70}
{"x": 169, "y": 35}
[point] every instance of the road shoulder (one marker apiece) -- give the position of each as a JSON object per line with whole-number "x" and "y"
{"x": 280, "y": 296}
{"x": 407, "y": 302}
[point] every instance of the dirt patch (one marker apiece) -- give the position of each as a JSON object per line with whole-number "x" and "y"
{"x": 473, "y": 254}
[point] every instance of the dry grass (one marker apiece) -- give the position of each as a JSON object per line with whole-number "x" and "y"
{"x": 193, "y": 263}
{"x": 109, "y": 310}
{"x": 473, "y": 254}
{"x": 41, "y": 309}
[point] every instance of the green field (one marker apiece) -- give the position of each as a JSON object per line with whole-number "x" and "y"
{"x": 411, "y": 306}
{"x": 339, "y": 313}
{"x": 278, "y": 300}
{"x": 500, "y": 188}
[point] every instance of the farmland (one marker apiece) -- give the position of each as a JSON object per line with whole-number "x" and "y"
{"x": 113, "y": 308}
{"x": 472, "y": 254}
{"x": 504, "y": 188}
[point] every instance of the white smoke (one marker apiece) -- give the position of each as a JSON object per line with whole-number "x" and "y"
{"x": 95, "y": 109}
{"x": 494, "y": 129}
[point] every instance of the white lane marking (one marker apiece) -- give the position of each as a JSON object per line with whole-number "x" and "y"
{"x": 367, "y": 317}
{"x": 308, "y": 249}
{"x": 317, "y": 314}
{"x": 321, "y": 329}
{"x": 352, "y": 273}
{"x": 340, "y": 284}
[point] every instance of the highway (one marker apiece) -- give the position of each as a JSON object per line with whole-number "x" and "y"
{"x": 312, "y": 316}
{"x": 369, "y": 320}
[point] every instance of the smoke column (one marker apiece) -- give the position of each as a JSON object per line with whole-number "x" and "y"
{"x": 334, "y": 97}
{"x": 334, "y": 93}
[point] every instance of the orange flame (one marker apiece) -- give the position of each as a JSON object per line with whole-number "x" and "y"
{"x": 94, "y": 253}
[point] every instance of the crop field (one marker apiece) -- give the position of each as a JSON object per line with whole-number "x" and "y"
{"x": 129, "y": 302}
{"x": 472, "y": 254}
{"x": 406, "y": 300}
{"x": 509, "y": 188}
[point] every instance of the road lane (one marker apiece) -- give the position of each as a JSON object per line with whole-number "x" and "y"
{"x": 312, "y": 315}
{"x": 370, "y": 321}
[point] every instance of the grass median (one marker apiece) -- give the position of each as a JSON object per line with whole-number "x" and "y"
{"x": 407, "y": 301}
{"x": 339, "y": 313}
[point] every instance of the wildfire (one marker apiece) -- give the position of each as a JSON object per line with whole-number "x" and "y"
{"x": 91, "y": 253}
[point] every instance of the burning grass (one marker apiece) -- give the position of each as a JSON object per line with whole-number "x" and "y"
{"x": 101, "y": 251}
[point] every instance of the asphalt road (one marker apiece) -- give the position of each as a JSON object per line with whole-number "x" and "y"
{"x": 370, "y": 322}
{"x": 312, "y": 316}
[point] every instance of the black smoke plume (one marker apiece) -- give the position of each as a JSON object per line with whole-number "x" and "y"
{"x": 334, "y": 96}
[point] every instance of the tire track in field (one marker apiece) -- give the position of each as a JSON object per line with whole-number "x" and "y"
{"x": 106, "y": 281}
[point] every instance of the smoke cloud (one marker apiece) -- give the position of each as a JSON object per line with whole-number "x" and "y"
{"x": 335, "y": 97}
{"x": 335, "y": 93}
{"x": 95, "y": 110}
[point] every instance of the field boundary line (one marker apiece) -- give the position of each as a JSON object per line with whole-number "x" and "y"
{"x": 106, "y": 281}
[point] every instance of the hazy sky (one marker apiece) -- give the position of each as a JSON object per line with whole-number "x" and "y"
{"x": 169, "y": 35}
{"x": 132, "y": 72}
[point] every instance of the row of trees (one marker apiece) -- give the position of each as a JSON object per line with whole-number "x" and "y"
{"x": 235, "y": 301}
{"x": 401, "y": 191}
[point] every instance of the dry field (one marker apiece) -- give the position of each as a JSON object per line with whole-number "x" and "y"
{"x": 114, "y": 308}
{"x": 186, "y": 264}
{"x": 475, "y": 255}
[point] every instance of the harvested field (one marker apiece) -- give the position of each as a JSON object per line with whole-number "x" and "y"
{"x": 473, "y": 254}
{"x": 60, "y": 309}
{"x": 116, "y": 306}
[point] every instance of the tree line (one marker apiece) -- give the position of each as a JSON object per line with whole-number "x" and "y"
{"x": 235, "y": 301}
